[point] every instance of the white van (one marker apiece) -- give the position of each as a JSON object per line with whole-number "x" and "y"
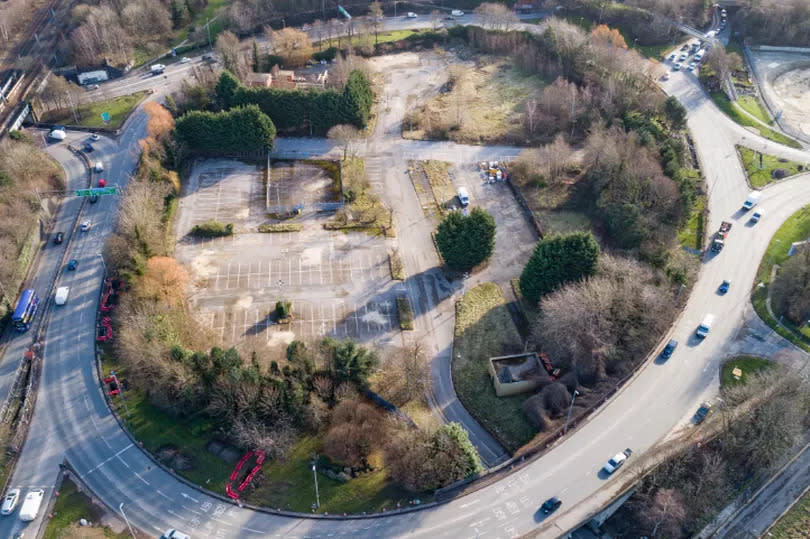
{"x": 457, "y": 13}
{"x": 61, "y": 295}
{"x": 463, "y": 196}
{"x": 174, "y": 534}
{"x": 30, "y": 506}
{"x": 705, "y": 326}
{"x": 99, "y": 166}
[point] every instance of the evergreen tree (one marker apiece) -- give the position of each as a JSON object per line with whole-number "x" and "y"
{"x": 557, "y": 260}
{"x": 466, "y": 240}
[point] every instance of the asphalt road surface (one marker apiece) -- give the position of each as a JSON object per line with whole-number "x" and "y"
{"x": 72, "y": 419}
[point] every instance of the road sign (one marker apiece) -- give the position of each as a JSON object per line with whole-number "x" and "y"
{"x": 106, "y": 117}
{"x": 96, "y": 191}
{"x": 343, "y": 12}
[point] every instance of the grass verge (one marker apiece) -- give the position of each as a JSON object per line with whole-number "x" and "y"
{"x": 405, "y": 313}
{"x": 280, "y": 227}
{"x": 438, "y": 176}
{"x": 290, "y": 485}
{"x": 752, "y": 106}
{"x": 692, "y": 232}
{"x": 72, "y": 505}
{"x": 397, "y": 268}
{"x": 734, "y": 112}
{"x": 795, "y": 523}
{"x": 760, "y": 177}
{"x": 89, "y": 115}
{"x": 747, "y": 364}
{"x": 485, "y": 329}
{"x": 187, "y": 435}
{"x": 795, "y": 228}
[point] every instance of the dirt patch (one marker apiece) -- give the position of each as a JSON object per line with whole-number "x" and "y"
{"x": 793, "y": 88}
{"x": 477, "y": 104}
{"x": 302, "y": 184}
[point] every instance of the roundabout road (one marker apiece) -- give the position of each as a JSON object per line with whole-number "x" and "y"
{"x": 72, "y": 419}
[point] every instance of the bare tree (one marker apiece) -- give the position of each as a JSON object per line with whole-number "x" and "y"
{"x": 228, "y": 47}
{"x": 318, "y": 30}
{"x": 344, "y": 135}
{"x": 531, "y": 113}
{"x": 376, "y": 13}
{"x": 496, "y": 16}
{"x": 435, "y": 19}
{"x": 294, "y": 46}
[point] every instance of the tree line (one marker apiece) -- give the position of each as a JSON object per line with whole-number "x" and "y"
{"x": 294, "y": 110}
{"x": 237, "y": 130}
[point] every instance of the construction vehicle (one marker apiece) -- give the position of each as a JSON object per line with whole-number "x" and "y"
{"x": 719, "y": 240}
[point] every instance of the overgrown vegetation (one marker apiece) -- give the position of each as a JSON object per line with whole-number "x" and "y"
{"x": 485, "y": 329}
{"x": 760, "y": 421}
{"x": 763, "y": 169}
{"x": 212, "y": 229}
{"x": 405, "y": 313}
{"x": 72, "y": 505}
{"x": 25, "y": 171}
{"x": 465, "y": 241}
{"x": 771, "y": 22}
{"x": 364, "y": 210}
{"x": 280, "y": 227}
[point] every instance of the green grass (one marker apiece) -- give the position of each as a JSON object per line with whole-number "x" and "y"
{"x": 90, "y": 114}
{"x": 70, "y": 506}
{"x": 752, "y": 106}
{"x": 155, "y": 428}
{"x": 405, "y": 313}
{"x": 357, "y": 40}
{"x": 795, "y": 523}
{"x": 290, "y": 485}
{"x": 733, "y": 111}
{"x": 692, "y": 232}
{"x": 760, "y": 177}
{"x": 484, "y": 329}
{"x": 747, "y": 364}
{"x": 795, "y": 228}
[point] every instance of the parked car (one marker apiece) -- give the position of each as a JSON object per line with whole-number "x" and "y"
{"x": 73, "y": 264}
{"x": 676, "y": 67}
{"x": 706, "y": 409}
{"x": 94, "y": 137}
{"x": 617, "y": 461}
{"x": 93, "y": 199}
{"x": 683, "y": 56}
{"x": 185, "y": 60}
{"x": 691, "y": 66}
{"x": 10, "y": 501}
{"x": 666, "y": 353}
{"x": 551, "y": 505}
{"x": 85, "y": 226}
{"x": 92, "y": 86}
{"x": 672, "y": 57}
{"x": 59, "y": 238}
{"x": 724, "y": 286}
{"x": 411, "y": 15}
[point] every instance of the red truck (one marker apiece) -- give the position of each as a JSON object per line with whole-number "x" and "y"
{"x": 720, "y": 236}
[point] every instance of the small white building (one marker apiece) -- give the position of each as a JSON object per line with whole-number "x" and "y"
{"x": 90, "y": 77}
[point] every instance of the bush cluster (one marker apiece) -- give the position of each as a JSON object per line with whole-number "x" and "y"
{"x": 212, "y": 229}
{"x": 234, "y": 131}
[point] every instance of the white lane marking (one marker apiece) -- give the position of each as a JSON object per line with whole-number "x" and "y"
{"x": 123, "y": 462}
{"x": 221, "y": 521}
{"x": 102, "y": 463}
{"x": 141, "y": 478}
{"x": 250, "y": 530}
{"x": 159, "y": 492}
{"x": 470, "y": 503}
{"x": 184, "y": 495}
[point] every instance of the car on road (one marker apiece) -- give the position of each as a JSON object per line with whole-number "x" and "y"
{"x": 10, "y": 501}
{"x": 724, "y": 286}
{"x": 757, "y": 215}
{"x": 672, "y": 57}
{"x": 411, "y": 15}
{"x": 174, "y": 534}
{"x": 551, "y": 505}
{"x": 676, "y": 67}
{"x": 73, "y": 264}
{"x": 617, "y": 461}
{"x": 185, "y": 60}
{"x": 85, "y": 226}
{"x": 703, "y": 329}
{"x": 93, "y": 199}
{"x": 59, "y": 238}
{"x": 666, "y": 353}
{"x": 692, "y": 66}
{"x": 95, "y": 137}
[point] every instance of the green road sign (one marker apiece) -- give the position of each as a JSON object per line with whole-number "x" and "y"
{"x": 96, "y": 191}
{"x": 106, "y": 117}
{"x": 344, "y": 12}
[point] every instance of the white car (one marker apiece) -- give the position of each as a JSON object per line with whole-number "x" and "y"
{"x": 10, "y": 501}
{"x": 94, "y": 137}
{"x": 185, "y": 60}
{"x": 683, "y": 57}
{"x": 616, "y": 461}
{"x": 677, "y": 66}
{"x": 411, "y": 15}
{"x": 85, "y": 226}
{"x": 691, "y": 66}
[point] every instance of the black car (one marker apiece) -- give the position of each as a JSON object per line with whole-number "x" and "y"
{"x": 88, "y": 147}
{"x": 551, "y": 505}
{"x": 669, "y": 348}
{"x": 59, "y": 238}
{"x": 93, "y": 199}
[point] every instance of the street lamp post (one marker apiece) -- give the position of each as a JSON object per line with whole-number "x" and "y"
{"x": 570, "y": 409}
{"x": 317, "y": 495}
{"x": 121, "y": 508}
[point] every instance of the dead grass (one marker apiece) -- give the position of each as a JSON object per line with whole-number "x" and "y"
{"x": 405, "y": 313}
{"x": 485, "y": 329}
{"x": 438, "y": 175}
{"x": 485, "y": 105}
{"x": 397, "y": 268}
{"x": 364, "y": 210}
{"x": 280, "y": 227}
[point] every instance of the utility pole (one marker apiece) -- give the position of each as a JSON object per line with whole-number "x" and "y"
{"x": 317, "y": 495}
{"x": 121, "y": 508}
{"x": 208, "y": 27}
{"x": 570, "y": 408}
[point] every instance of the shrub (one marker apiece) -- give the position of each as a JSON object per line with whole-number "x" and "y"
{"x": 328, "y": 54}
{"x": 465, "y": 241}
{"x": 405, "y": 313}
{"x": 243, "y": 129}
{"x": 212, "y": 229}
{"x": 283, "y": 309}
{"x": 350, "y": 362}
{"x": 558, "y": 260}
{"x": 280, "y": 227}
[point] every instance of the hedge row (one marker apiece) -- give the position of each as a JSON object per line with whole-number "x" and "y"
{"x": 212, "y": 229}
{"x": 239, "y": 130}
{"x": 297, "y": 109}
